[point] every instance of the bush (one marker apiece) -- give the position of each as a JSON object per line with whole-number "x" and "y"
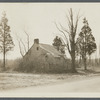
{"x": 37, "y": 67}
{"x": 13, "y": 65}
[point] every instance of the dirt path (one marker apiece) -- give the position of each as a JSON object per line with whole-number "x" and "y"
{"x": 86, "y": 87}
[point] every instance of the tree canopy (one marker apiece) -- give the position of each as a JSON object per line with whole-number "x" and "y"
{"x": 6, "y": 42}
{"x": 85, "y": 42}
{"x": 59, "y": 45}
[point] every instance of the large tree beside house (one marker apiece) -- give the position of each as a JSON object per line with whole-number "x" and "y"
{"x": 69, "y": 35}
{"x": 6, "y": 42}
{"x": 85, "y": 42}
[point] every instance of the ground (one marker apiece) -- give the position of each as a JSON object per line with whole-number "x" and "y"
{"x": 21, "y": 80}
{"x": 68, "y": 87}
{"x": 27, "y": 85}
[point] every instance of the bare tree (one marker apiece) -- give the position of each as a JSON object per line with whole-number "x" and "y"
{"x": 71, "y": 32}
{"x": 28, "y": 40}
{"x": 22, "y": 46}
{"x": 21, "y": 52}
{"x": 20, "y": 43}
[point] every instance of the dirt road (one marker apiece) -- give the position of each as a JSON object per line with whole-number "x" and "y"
{"x": 87, "y": 87}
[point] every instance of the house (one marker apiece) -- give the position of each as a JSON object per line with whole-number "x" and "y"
{"x": 44, "y": 57}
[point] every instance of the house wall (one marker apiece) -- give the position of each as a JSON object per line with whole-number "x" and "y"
{"x": 41, "y": 60}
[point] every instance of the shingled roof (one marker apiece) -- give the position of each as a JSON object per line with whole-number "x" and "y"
{"x": 51, "y": 50}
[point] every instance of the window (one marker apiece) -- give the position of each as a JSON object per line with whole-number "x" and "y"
{"x": 37, "y": 48}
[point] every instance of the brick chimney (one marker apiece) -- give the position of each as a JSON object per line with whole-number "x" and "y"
{"x": 36, "y": 41}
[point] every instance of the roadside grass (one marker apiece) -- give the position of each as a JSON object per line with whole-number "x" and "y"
{"x": 21, "y": 80}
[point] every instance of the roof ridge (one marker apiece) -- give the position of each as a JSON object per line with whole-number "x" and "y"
{"x": 46, "y": 50}
{"x": 51, "y": 49}
{"x": 45, "y": 44}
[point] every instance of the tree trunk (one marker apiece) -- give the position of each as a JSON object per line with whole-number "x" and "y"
{"x": 85, "y": 66}
{"x": 4, "y": 60}
{"x": 4, "y": 50}
{"x": 84, "y": 62}
{"x": 73, "y": 57}
{"x": 90, "y": 60}
{"x": 73, "y": 63}
{"x": 80, "y": 60}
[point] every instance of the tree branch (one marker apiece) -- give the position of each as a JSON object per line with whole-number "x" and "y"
{"x": 77, "y": 19}
{"x": 22, "y": 54}
{"x": 28, "y": 41}
{"x": 67, "y": 43}
{"x": 23, "y": 45}
{"x": 19, "y": 44}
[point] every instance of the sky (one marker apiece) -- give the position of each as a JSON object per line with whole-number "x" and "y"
{"x": 38, "y": 19}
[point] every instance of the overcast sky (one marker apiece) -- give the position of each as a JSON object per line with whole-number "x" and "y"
{"x": 38, "y": 19}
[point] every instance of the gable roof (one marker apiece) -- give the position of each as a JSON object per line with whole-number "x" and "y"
{"x": 51, "y": 50}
